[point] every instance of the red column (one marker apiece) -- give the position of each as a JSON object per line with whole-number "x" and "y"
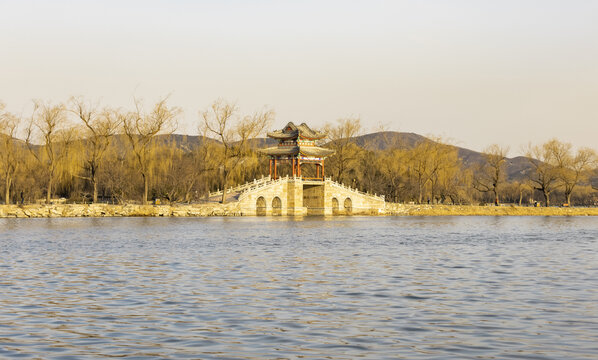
{"x": 293, "y": 166}
{"x": 323, "y": 170}
{"x": 274, "y": 168}
{"x": 270, "y": 168}
{"x": 299, "y": 167}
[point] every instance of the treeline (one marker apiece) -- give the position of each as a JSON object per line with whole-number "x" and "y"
{"x": 82, "y": 152}
{"x": 432, "y": 172}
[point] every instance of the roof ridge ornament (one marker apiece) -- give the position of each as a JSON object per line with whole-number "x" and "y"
{"x": 293, "y": 132}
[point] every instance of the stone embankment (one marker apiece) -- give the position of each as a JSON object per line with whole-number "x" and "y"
{"x": 470, "y": 210}
{"x": 234, "y": 209}
{"x": 106, "y": 210}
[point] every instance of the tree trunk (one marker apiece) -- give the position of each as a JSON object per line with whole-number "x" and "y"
{"x": 49, "y": 191}
{"x": 95, "y": 189}
{"x": 520, "y": 197}
{"x": 145, "y": 189}
{"x": 188, "y": 191}
{"x": 569, "y": 199}
{"x": 223, "y": 200}
{"x": 225, "y": 183}
{"x": 94, "y": 183}
{"x": 547, "y": 197}
{"x": 7, "y": 190}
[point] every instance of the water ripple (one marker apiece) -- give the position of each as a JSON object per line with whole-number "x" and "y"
{"x": 340, "y": 288}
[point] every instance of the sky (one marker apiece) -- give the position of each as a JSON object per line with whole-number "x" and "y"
{"x": 472, "y": 72}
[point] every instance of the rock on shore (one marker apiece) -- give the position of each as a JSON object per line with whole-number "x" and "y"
{"x": 233, "y": 209}
{"x": 106, "y": 210}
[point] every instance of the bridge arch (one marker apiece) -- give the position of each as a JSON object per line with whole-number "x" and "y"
{"x": 276, "y": 206}
{"x": 348, "y": 204}
{"x": 260, "y": 206}
{"x": 334, "y": 206}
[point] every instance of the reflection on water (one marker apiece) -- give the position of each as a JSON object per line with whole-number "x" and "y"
{"x": 342, "y": 288}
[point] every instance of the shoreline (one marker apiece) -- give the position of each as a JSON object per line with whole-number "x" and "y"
{"x": 232, "y": 209}
{"x": 475, "y": 210}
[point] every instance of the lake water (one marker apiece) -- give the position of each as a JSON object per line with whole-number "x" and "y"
{"x": 339, "y": 288}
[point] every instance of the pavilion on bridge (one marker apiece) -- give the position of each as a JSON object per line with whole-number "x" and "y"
{"x": 297, "y": 146}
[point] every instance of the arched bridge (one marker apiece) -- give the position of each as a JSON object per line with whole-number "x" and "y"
{"x": 297, "y": 196}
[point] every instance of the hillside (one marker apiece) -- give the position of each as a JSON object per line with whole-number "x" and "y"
{"x": 517, "y": 167}
{"x": 516, "y": 170}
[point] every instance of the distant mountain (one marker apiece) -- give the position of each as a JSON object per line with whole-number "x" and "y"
{"x": 263, "y": 142}
{"x": 186, "y": 142}
{"x": 517, "y": 168}
{"x": 386, "y": 139}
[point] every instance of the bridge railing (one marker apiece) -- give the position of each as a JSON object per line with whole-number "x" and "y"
{"x": 348, "y": 188}
{"x": 242, "y": 187}
{"x": 257, "y": 184}
{"x": 260, "y": 186}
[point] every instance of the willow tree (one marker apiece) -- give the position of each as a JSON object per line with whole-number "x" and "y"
{"x": 571, "y": 168}
{"x": 9, "y": 149}
{"x": 99, "y": 126}
{"x": 222, "y": 120}
{"x": 393, "y": 165}
{"x": 141, "y": 129}
{"x": 54, "y": 134}
{"x": 445, "y": 172}
{"x": 543, "y": 159}
{"x": 181, "y": 165}
{"x": 490, "y": 175}
{"x": 422, "y": 165}
{"x": 346, "y": 152}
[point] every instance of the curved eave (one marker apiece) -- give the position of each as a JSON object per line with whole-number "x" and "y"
{"x": 318, "y": 137}
{"x": 307, "y": 133}
{"x": 315, "y": 151}
{"x": 283, "y": 136}
{"x": 295, "y": 150}
{"x": 279, "y": 151}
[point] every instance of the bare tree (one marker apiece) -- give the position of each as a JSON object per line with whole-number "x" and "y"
{"x": 444, "y": 177}
{"x": 234, "y": 131}
{"x": 572, "y": 168}
{"x": 543, "y": 159}
{"x": 9, "y": 160}
{"x": 182, "y": 168}
{"x": 141, "y": 128}
{"x": 393, "y": 165}
{"x": 490, "y": 175}
{"x": 51, "y": 127}
{"x": 341, "y": 138}
{"x": 419, "y": 166}
{"x": 424, "y": 162}
{"x": 116, "y": 175}
{"x": 99, "y": 128}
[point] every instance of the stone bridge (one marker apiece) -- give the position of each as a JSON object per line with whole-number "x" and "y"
{"x": 297, "y": 196}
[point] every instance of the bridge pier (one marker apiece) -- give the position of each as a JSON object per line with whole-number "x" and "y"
{"x": 295, "y": 204}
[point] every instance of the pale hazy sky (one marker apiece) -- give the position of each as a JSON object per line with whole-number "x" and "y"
{"x": 477, "y": 72}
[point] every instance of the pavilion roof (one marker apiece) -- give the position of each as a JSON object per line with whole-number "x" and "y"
{"x": 296, "y": 150}
{"x": 291, "y": 131}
